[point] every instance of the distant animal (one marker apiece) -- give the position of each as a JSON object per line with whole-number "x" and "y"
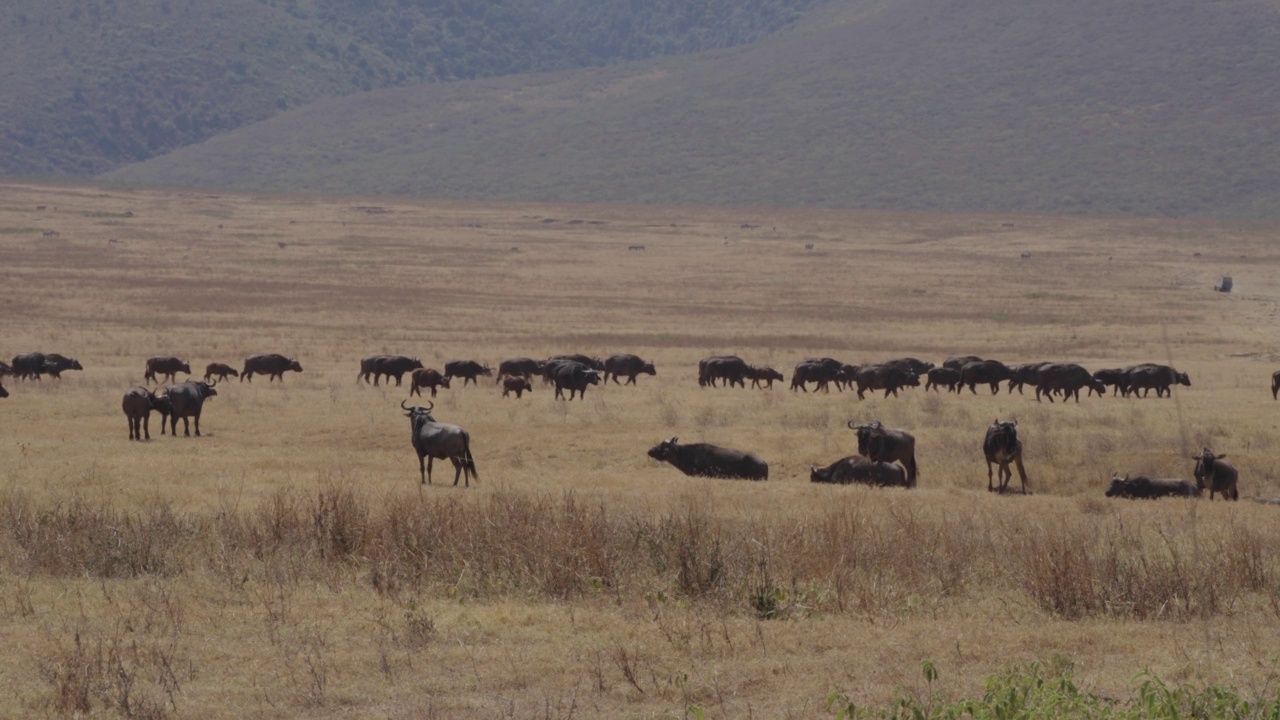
{"x": 1114, "y": 378}
{"x": 167, "y": 366}
{"x": 1151, "y": 376}
{"x": 881, "y": 444}
{"x": 517, "y": 385}
{"x": 1024, "y": 374}
{"x": 28, "y": 366}
{"x": 221, "y": 370}
{"x": 1026, "y": 256}
{"x": 627, "y": 366}
{"x": 884, "y": 377}
{"x": 823, "y": 371}
{"x": 432, "y": 440}
{"x": 520, "y": 367}
{"x": 138, "y": 403}
{"x": 468, "y": 370}
{"x": 808, "y": 246}
{"x": 1223, "y": 285}
{"x": 938, "y": 377}
{"x": 958, "y": 362}
{"x": 1217, "y": 475}
{"x": 186, "y": 401}
{"x": 575, "y": 377}
{"x": 919, "y": 367}
{"x": 857, "y": 469}
{"x": 635, "y": 247}
{"x": 272, "y": 364}
{"x": 729, "y": 368}
{"x": 1066, "y": 378}
{"x": 426, "y": 378}
{"x": 51, "y": 234}
{"x": 55, "y": 364}
{"x": 594, "y": 363}
{"x": 1275, "y": 383}
{"x": 763, "y": 376}
{"x": 393, "y": 366}
{"x": 1143, "y": 487}
{"x": 705, "y": 460}
{"x": 366, "y": 367}
{"x": 1001, "y": 447}
{"x": 984, "y": 372}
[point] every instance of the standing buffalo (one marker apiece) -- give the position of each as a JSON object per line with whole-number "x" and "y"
{"x": 366, "y": 367}
{"x": 937, "y": 377}
{"x": 55, "y": 364}
{"x": 729, "y": 368}
{"x": 186, "y": 400}
{"x": 575, "y": 377}
{"x": 1001, "y": 447}
{"x": 273, "y": 364}
{"x": 822, "y": 371}
{"x": 468, "y": 370}
{"x": 221, "y": 370}
{"x": 762, "y": 376}
{"x": 1219, "y": 476}
{"x": 28, "y": 366}
{"x": 1143, "y": 487}
{"x": 428, "y": 378}
{"x": 958, "y": 362}
{"x": 1149, "y": 375}
{"x": 1114, "y": 378}
{"x": 857, "y": 469}
{"x": 1066, "y": 378}
{"x": 1025, "y": 374}
{"x": 393, "y": 366}
{"x": 167, "y": 366}
{"x": 919, "y": 367}
{"x": 433, "y": 440}
{"x": 884, "y": 377}
{"x": 706, "y": 460}
{"x": 627, "y": 366}
{"x": 984, "y": 372}
{"x": 878, "y": 443}
{"x": 520, "y": 367}
{"x": 137, "y": 405}
{"x": 517, "y": 385}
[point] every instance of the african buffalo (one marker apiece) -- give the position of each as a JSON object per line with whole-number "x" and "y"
{"x": 627, "y": 366}
{"x": 1025, "y": 374}
{"x": 938, "y": 377}
{"x": 762, "y": 376}
{"x": 706, "y": 460}
{"x": 393, "y": 366}
{"x": 1066, "y": 378}
{"x": 167, "y": 366}
{"x": 1001, "y": 447}
{"x": 857, "y": 469}
{"x": 272, "y": 364}
{"x": 55, "y": 364}
{"x": 1114, "y": 378}
{"x": 137, "y": 405}
{"x": 575, "y": 377}
{"x": 28, "y": 366}
{"x": 468, "y": 370}
{"x": 433, "y": 440}
{"x": 1143, "y": 487}
{"x": 366, "y": 367}
{"x": 428, "y": 378}
{"x": 517, "y": 385}
{"x": 3, "y": 393}
{"x": 729, "y": 368}
{"x": 958, "y": 362}
{"x": 1275, "y": 384}
{"x": 881, "y": 444}
{"x": 919, "y": 367}
{"x": 1151, "y": 376}
{"x": 519, "y": 367}
{"x": 887, "y": 378}
{"x": 594, "y": 363}
{"x": 984, "y": 372}
{"x": 822, "y": 371}
{"x": 1217, "y": 475}
{"x": 221, "y": 370}
{"x": 186, "y": 400}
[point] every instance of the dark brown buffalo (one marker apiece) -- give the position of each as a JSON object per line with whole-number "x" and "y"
{"x": 1001, "y": 446}
{"x": 186, "y": 400}
{"x": 393, "y": 366}
{"x": 167, "y": 366}
{"x": 938, "y": 377}
{"x": 919, "y": 367}
{"x": 822, "y": 371}
{"x": 627, "y": 366}
{"x": 273, "y": 364}
{"x": 5, "y": 369}
{"x": 1066, "y": 378}
{"x": 520, "y": 367}
{"x": 594, "y": 363}
{"x": 427, "y": 378}
{"x": 1025, "y": 374}
{"x": 984, "y": 372}
{"x": 517, "y": 385}
{"x": 1114, "y": 378}
{"x": 575, "y": 377}
{"x": 762, "y": 376}
{"x": 881, "y": 444}
{"x": 857, "y": 469}
{"x": 1151, "y": 376}
{"x": 55, "y": 364}
{"x": 880, "y": 377}
{"x": 3, "y": 393}
{"x": 366, "y": 367}
{"x": 28, "y": 366}
{"x": 468, "y": 370}
{"x": 1143, "y": 487}
{"x": 958, "y": 362}
{"x": 704, "y": 460}
{"x": 1275, "y": 384}
{"x": 1217, "y": 475}
{"x": 220, "y": 370}
{"x": 729, "y": 368}
{"x": 138, "y": 403}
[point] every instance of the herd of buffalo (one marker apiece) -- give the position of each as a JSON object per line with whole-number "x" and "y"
{"x": 885, "y": 457}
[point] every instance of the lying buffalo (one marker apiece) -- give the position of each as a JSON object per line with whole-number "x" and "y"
{"x": 706, "y": 460}
{"x": 167, "y": 366}
{"x": 857, "y": 469}
{"x": 628, "y": 366}
{"x": 1217, "y": 475}
{"x": 1143, "y": 487}
{"x": 273, "y": 364}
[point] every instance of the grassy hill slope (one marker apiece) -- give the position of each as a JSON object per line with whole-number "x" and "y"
{"x": 1094, "y": 106}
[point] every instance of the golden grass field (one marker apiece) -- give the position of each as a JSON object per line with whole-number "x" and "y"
{"x": 289, "y": 564}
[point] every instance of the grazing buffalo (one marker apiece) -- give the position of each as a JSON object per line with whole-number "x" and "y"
{"x": 221, "y": 370}
{"x": 167, "y": 366}
{"x": 937, "y": 377}
{"x": 984, "y": 372}
{"x": 428, "y": 378}
{"x": 1219, "y": 476}
{"x": 186, "y": 400}
{"x": 468, "y": 370}
{"x": 919, "y": 367}
{"x": 763, "y": 376}
{"x": 878, "y": 443}
{"x": 1114, "y": 378}
{"x": 706, "y": 460}
{"x": 1151, "y": 376}
{"x": 393, "y": 366}
{"x": 857, "y": 469}
{"x": 520, "y": 367}
{"x": 1066, "y": 378}
{"x": 958, "y": 362}
{"x": 729, "y": 368}
{"x": 517, "y": 385}
{"x": 1001, "y": 447}
{"x": 1025, "y": 374}
{"x": 627, "y": 366}
{"x": 28, "y": 366}
{"x": 433, "y": 440}
{"x": 273, "y": 364}
{"x": 575, "y": 377}
{"x": 55, "y": 364}
{"x": 887, "y": 378}
{"x": 1275, "y": 384}
{"x": 137, "y": 405}
{"x": 1143, "y": 487}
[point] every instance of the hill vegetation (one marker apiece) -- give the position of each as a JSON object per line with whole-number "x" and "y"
{"x": 90, "y": 85}
{"x": 1143, "y": 107}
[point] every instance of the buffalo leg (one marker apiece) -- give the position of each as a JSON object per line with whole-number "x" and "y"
{"x": 133, "y": 433}
{"x": 146, "y": 425}
{"x": 197, "y": 424}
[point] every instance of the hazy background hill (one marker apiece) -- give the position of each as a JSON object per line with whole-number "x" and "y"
{"x": 88, "y": 85}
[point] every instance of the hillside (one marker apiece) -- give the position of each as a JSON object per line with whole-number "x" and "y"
{"x": 1143, "y": 107}
{"x": 89, "y": 85}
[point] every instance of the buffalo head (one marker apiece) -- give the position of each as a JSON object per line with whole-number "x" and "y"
{"x": 663, "y": 450}
{"x": 294, "y": 365}
{"x": 1118, "y": 485}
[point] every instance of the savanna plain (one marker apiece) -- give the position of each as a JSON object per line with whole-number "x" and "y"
{"x": 289, "y": 563}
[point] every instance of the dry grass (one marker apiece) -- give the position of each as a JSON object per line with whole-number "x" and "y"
{"x": 288, "y": 563}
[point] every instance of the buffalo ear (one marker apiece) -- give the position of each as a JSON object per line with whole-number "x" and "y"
{"x": 673, "y": 439}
